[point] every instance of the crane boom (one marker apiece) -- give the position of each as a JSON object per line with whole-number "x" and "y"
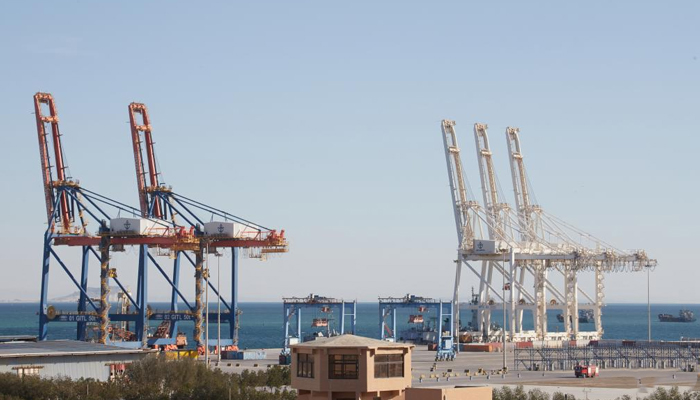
{"x": 64, "y": 214}
{"x": 489, "y": 187}
{"x": 458, "y": 188}
{"x": 136, "y": 110}
{"x": 462, "y": 208}
{"x": 520, "y": 189}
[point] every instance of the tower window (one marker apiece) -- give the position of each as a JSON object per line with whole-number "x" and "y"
{"x": 388, "y": 366}
{"x": 305, "y": 365}
{"x": 343, "y": 366}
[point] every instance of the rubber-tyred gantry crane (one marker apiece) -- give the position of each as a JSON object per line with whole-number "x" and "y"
{"x": 442, "y": 329}
{"x": 186, "y": 217}
{"x": 327, "y": 307}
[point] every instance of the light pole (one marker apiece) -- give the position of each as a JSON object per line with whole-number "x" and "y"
{"x": 206, "y": 315}
{"x": 503, "y": 293}
{"x": 648, "y": 303}
{"x": 218, "y": 306}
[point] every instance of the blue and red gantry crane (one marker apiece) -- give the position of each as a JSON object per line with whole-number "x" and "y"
{"x": 165, "y": 220}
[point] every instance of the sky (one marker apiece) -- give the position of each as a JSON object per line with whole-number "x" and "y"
{"x": 323, "y": 119}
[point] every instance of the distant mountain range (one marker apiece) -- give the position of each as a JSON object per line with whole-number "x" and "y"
{"x": 91, "y": 291}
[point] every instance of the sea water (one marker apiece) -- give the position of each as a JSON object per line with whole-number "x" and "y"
{"x": 262, "y": 324}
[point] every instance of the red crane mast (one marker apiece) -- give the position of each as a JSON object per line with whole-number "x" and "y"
{"x": 55, "y": 137}
{"x": 136, "y": 110}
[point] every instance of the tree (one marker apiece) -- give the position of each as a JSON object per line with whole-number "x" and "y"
{"x": 155, "y": 378}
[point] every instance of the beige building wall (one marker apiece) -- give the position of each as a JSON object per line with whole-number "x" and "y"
{"x": 365, "y": 387}
{"x": 463, "y": 393}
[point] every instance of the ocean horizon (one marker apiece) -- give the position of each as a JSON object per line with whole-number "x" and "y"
{"x": 262, "y": 323}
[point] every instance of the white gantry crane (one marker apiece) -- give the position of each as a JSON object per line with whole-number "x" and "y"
{"x": 525, "y": 248}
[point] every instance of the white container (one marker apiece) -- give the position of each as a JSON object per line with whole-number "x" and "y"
{"x": 138, "y": 226}
{"x": 484, "y": 247}
{"x": 490, "y": 247}
{"x": 222, "y": 229}
{"x": 131, "y": 226}
{"x": 230, "y": 230}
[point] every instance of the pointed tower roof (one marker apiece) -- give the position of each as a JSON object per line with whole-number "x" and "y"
{"x": 347, "y": 340}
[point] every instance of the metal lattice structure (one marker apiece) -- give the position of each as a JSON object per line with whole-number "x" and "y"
{"x": 388, "y": 307}
{"x": 70, "y": 208}
{"x": 195, "y": 237}
{"x": 522, "y": 248}
{"x": 625, "y": 354}
{"x": 328, "y": 306}
{"x": 167, "y": 223}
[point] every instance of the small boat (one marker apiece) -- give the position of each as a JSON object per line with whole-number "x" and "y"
{"x": 415, "y": 319}
{"x": 584, "y": 316}
{"x": 319, "y": 322}
{"x": 325, "y": 309}
{"x": 683, "y": 316}
{"x": 422, "y": 309}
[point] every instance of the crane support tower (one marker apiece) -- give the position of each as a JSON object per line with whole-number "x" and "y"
{"x": 323, "y": 310}
{"x": 515, "y": 258}
{"x": 195, "y": 238}
{"x": 442, "y": 331}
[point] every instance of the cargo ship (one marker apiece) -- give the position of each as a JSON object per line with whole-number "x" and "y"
{"x": 683, "y": 316}
{"x": 584, "y": 316}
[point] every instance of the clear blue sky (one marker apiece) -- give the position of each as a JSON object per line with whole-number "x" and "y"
{"x": 322, "y": 118}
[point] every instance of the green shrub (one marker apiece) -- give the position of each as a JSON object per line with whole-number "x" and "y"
{"x": 155, "y": 378}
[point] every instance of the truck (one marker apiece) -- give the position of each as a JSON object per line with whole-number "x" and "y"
{"x": 586, "y": 371}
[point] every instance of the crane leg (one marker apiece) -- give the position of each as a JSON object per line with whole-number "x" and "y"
{"x": 199, "y": 290}
{"x": 82, "y": 300}
{"x": 489, "y": 281}
{"x": 104, "y": 289}
{"x": 235, "y": 312}
{"x": 571, "y": 307}
{"x": 521, "y": 281}
{"x": 455, "y": 299}
{"x": 484, "y": 325}
{"x": 599, "y": 298}
{"x": 541, "y": 300}
{"x": 43, "y": 304}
